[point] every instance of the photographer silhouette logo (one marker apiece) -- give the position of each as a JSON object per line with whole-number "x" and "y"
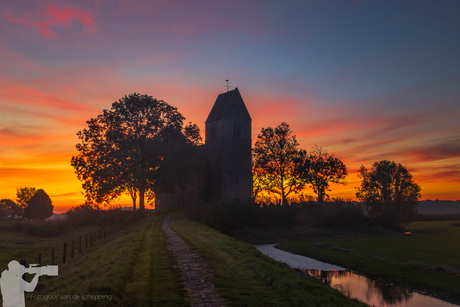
{"x": 13, "y": 286}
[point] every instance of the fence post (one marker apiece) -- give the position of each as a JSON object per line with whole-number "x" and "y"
{"x": 40, "y": 259}
{"x": 105, "y": 236}
{"x": 72, "y": 250}
{"x": 64, "y": 255}
{"x": 52, "y": 255}
{"x": 86, "y": 241}
{"x": 91, "y": 239}
{"x": 79, "y": 244}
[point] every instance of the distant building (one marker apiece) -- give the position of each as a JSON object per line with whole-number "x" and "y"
{"x": 227, "y": 169}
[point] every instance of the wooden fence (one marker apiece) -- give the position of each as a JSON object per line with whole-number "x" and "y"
{"x": 75, "y": 246}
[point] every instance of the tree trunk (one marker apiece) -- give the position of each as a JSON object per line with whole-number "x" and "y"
{"x": 141, "y": 199}
{"x": 320, "y": 196}
{"x": 134, "y": 198}
{"x": 283, "y": 195}
{"x": 134, "y": 203}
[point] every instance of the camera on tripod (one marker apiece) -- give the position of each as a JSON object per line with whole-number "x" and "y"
{"x": 48, "y": 270}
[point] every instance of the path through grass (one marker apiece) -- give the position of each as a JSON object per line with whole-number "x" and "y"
{"x": 245, "y": 277}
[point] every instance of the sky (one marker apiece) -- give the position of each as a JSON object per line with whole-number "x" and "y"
{"x": 365, "y": 80}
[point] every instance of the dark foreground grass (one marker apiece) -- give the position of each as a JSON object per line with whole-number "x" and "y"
{"x": 155, "y": 282}
{"x": 245, "y": 277}
{"x": 428, "y": 260}
{"x": 18, "y": 246}
{"x": 131, "y": 268}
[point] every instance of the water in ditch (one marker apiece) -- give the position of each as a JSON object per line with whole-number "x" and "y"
{"x": 371, "y": 292}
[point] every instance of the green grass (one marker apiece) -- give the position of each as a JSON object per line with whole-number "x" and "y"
{"x": 131, "y": 267}
{"x": 17, "y": 246}
{"x": 154, "y": 281}
{"x": 427, "y": 260}
{"x": 245, "y": 277}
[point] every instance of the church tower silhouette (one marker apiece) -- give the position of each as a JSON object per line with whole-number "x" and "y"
{"x": 228, "y": 148}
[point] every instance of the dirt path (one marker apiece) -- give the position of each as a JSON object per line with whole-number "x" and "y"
{"x": 196, "y": 273}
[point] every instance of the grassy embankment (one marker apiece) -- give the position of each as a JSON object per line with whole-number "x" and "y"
{"x": 245, "y": 277}
{"x": 134, "y": 268}
{"x": 131, "y": 267}
{"x": 428, "y": 260}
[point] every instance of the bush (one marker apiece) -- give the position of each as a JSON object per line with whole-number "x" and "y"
{"x": 39, "y": 206}
{"x": 83, "y": 215}
{"x": 226, "y": 216}
{"x": 93, "y": 215}
{"x": 232, "y": 216}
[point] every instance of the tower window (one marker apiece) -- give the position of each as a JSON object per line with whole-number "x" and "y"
{"x": 213, "y": 130}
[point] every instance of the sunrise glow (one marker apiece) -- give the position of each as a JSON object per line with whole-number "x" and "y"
{"x": 364, "y": 80}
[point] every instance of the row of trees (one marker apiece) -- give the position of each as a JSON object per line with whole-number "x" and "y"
{"x": 281, "y": 168}
{"x": 30, "y": 203}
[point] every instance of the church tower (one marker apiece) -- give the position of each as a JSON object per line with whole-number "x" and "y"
{"x": 228, "y": 149}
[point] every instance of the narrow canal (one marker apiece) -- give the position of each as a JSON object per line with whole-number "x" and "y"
{"x": 371, "y": 292}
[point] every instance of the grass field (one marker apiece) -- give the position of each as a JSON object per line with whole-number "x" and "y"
{"x": 245, "y": 277}
{"x": 133, "y": 268}
{"x": 130, "y": 268}
{"x": 17, "y": 246}
{"x": 427, "y": 260}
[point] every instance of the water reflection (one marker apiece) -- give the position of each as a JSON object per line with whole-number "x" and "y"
{"x": 374, "y": 293}
{"x": 371, "y": 292}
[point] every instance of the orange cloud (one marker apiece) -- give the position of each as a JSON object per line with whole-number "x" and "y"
{"x": 46, "y": 21}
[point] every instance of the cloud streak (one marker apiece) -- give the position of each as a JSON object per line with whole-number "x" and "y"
{"x": 48, "y": 20}
{"x": 446, "y": 149}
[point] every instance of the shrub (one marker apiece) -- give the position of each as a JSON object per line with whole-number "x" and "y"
{"x": 232, "y": 216}
{"x": 39, "y": 206}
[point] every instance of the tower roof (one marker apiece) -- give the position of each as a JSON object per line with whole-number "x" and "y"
{"x": 222, "y": 103}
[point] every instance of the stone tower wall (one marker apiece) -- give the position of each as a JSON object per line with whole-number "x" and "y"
{"x": 228, "y": 152}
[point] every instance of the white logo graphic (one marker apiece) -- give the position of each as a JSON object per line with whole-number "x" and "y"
{"x": 13, "y": 286}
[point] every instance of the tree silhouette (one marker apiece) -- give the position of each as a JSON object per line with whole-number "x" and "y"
{"x": 22, "y": 197}
{"x": 322, "y": 169}
{"x": 389, "y": 192}
{"x": 8, "y": 207}
{"x": 39, "y": 206}
{"x": 278, "y": 161}
{"x": 125, "y": 149}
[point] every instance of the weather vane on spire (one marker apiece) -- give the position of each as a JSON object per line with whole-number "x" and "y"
{"x": 227, "y": 86}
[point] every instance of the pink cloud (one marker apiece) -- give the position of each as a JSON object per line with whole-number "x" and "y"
{"x": 22, "y": 94}
{"x": 52, "y": 17}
